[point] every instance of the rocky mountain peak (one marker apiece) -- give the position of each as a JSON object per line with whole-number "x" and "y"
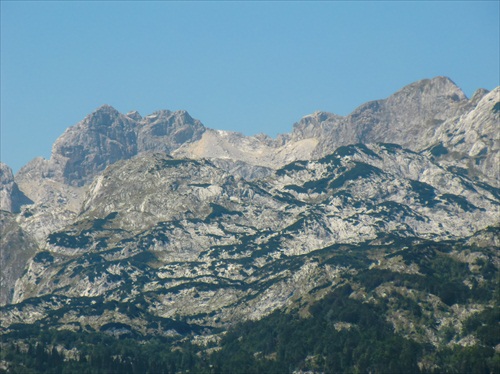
{"x": 6, "y": 175}
{"x": 11, "y": 198}
{"x": 170, "y": 117}
{"x": 423, "y": 99}
{"x": 478, "y": 95}
{"x": 317, "y": 117}
{"x": 143, "y": 226}
{"x": 165, "y": 131}
{"x": 102, "y": 138}
{"x": 134, "y": 114}
{"x": 437, "y": 86}
{"x": 411, "y": 117}
{"x": 105, "y": 115}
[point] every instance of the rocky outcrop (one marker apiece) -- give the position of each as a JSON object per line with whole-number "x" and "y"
{"x": 11, "y": 198}
{"x": 107, "y": 136}
{"x": 409, "y": 118}
{"x": 192, "y": 240}
{"x": 417, "y": 117}
{"x": 472, "y": 141}
{"x": 17, "y": 247}
{"x": 101, "y": 139}
{"x": 165, "y": 131}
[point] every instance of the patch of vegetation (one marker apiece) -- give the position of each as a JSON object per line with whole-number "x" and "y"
{"x": 439, "y": 150}
{"x": 391, "y": 148}
{"x": 219, "y": 211}
{"x": 294, "y": 166}
{"x": 340, "y": 335}
{"x": 351, "y": 150}
{"x": 295, "y": 188}
{"x": 42, "y": 257}
{"x": 63, "y": 239}
{"x": 426, "y": 194}
{"x": 360, "y": 170}
{"x": 460, "y": 202}
{"x": 485, "y": 326}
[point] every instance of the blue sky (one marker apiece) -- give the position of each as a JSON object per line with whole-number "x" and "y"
{"x": 244, "y": 66}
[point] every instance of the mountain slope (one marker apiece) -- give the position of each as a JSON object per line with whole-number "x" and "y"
{"x": 188, "y": 239}
{"x": 257, "y": 253}
{"x": 17, "y": 248}
{"x": 473, "y": 141}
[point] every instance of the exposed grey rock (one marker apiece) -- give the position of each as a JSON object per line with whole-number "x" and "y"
{"x": 106, "y": 136}
{"x": 408, "y": 118}
{"x": 11, "y": 198}
{"x": 84, "y": 150}
{"x": 236, "y": 227}
{"x": 17, "y": 247}
{"x": 134, "y": 114}
{"x": 414, "y": 117}
{"x": 101, "y": 139}
{"x": 472, "y": 141}
{"x": 194, "y": 241}
{"x": 247, "y": 171}
{"x": 166, "y": 131}
{"x": 55, "y": 203}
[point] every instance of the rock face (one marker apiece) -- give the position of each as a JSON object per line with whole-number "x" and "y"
{"x": 420, "y": 116}
{"x": 17, "y": 248}
{"x": 166, "y": 131}
{"x": 423, "y": 115}
{"x": 182, "y": 223}
{"x": 407, "y": 118}
{"x": 11, "y": 198}
{"x": 85, "y": 149}
{"x": 107, "y": 136}
{"x": 472, "y": 141}
{"x": 190, "y": 240}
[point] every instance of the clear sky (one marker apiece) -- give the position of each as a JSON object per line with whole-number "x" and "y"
{"x": 244, "y": 66}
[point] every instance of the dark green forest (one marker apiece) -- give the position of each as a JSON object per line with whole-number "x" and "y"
{"x": 279, "y": 343}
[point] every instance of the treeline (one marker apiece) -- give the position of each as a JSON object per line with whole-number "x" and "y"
{"x": 280, "y": 343}
{"x": 99, "y": 353}
{"x": 365, "y": 343}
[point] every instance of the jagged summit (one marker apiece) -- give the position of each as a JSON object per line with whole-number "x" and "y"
{"x": 134, "y": 114}
{"x": 166, "y": 131}
{"x": 103, "y": 116}
{"x": 412, "y": 117}
{"x": 106, "y": 136}
{"x": 478, "y": 95}
{"x": 11, "y": 198}
{"x": 105, "y": 108}
{"x": 424, "y": 90}
{"x": 437, "y": 86}
{"x": 157, "y": 226}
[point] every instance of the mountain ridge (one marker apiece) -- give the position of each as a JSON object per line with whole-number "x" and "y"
{"x": 312, "y": 137}
{"x": 157, "y": 227}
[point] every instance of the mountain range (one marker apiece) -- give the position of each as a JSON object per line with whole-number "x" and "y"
{"x": 158, "y": 226}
